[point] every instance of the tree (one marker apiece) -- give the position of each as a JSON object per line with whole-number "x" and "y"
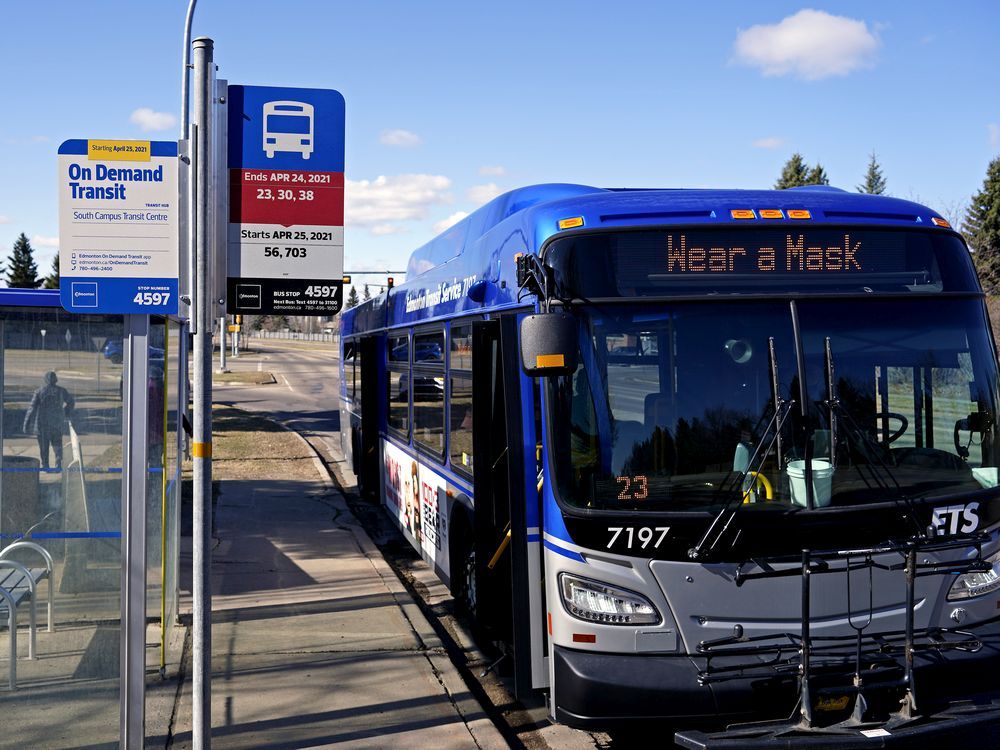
{"x": 817, "y": 176}
{"x": 366, "y": 294}
{"x": 874, "y": 183}
{"x": 982, "y": 228}
{"x": 23, "y": 271}
{"x": 52, "y": 280}
{"x": 352, "y": 299}
{"x": 793, "y": 174}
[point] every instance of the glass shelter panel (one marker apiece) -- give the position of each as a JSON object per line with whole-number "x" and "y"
{"x": 170, "y": 520}
{"x": 61, "y": 498}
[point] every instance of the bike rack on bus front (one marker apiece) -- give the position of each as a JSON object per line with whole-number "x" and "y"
{"x": 863, "y": 663}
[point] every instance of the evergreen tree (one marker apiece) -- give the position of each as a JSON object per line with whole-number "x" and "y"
{"x": 366, "y": 294}
{"x": 817, "y": 176}
{"x": 23, "y": 271}
{"x": 352, "y": 299}
{"x": 982, "y": 229}
{"x": 793, "y": 174}
{"x": 52, "y": 280}
{"x": 874, "y": 183}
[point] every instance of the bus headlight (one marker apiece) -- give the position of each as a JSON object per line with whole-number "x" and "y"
{"x": 608, "y": 605}
{"x": 977, "y": 583}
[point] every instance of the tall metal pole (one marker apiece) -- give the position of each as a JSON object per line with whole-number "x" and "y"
{"x": 190, "y": 198}
{"x": 186, "y": 79}
{"x": 134, "y": 485}
{"x": 201, "y": 449}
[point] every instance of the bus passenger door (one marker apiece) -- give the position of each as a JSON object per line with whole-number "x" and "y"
{"x": 503, "y": 600}
{"x": 368, "y": 459}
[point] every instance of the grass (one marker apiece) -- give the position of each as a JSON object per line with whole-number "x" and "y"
{"x": 248, "y": 446}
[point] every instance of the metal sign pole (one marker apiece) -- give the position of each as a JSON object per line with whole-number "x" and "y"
{"x": 201, "y": 448}
{"x": 133, "y": 587}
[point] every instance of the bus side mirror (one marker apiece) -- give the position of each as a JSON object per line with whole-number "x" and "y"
{"x": 548, "y": 344}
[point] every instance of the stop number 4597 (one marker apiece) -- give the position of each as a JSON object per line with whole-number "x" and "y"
{"x": 151, "y": 299}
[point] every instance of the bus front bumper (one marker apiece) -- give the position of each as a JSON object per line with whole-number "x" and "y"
{"x": 602, "y": 691}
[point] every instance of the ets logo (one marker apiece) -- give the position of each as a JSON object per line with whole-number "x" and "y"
{"x": 954, "y": 519}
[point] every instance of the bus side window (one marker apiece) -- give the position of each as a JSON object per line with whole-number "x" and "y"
{"x": 460, "y": 405}
{"x": 428, "y": 392}
{"x": 398, "y": 390}
{"x": 460, "y": 421}
{"x": 350, "y": 354}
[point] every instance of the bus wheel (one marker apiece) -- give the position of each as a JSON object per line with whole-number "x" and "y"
{"x": 463, "y": 565}
{"x": 467, "y": 582}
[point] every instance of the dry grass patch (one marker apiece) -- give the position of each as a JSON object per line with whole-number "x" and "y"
{"x": 247, "y": 446}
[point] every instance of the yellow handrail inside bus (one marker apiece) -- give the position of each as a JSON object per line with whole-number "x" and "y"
{"x": 500, "y": 550}
{"x": 759, "y": 480}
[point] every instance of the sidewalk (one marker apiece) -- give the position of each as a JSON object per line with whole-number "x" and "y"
{"x": 315, "y": 642}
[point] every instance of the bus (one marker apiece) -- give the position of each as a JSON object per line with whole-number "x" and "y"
{"x": 723, "y": 461}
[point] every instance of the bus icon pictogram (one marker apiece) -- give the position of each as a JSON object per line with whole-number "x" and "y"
{"x": 288, "y": 127}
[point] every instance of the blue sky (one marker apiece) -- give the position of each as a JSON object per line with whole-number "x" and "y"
{"x": 450, "y": 103}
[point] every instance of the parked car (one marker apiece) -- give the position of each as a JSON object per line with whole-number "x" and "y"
{"x": 114, "y": 350}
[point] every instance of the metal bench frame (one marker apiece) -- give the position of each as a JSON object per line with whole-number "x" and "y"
{"x": 25, "y": 587}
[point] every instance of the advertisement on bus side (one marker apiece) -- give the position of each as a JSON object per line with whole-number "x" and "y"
{"x": 418, "y": 497}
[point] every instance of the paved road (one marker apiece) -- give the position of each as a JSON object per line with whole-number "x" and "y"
{"x": 304, "y": 398}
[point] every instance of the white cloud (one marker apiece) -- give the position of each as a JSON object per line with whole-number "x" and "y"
{"x": 4, "y": 219}
{"x": 380, "y": 230}
{"x": 450, "y": 221}
{"x": 495, "y": 171}
{"x": 149, "y": 120}
{"x": 377, "y": 204}
{"x": 399, "y": 138}
{"x": 994, "y": 130}
{"x": 40, "y": 240}
{"x": 811, "y": 44}
{"x": 769, "y": 142}
{"x": 480, "y": 194}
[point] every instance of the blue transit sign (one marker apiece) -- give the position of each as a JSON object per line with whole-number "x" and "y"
{"x": 118, "y": 214}
{"x": 286, "y": 200}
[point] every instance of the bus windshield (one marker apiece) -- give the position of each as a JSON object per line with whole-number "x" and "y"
{"x": 669, "y": 399}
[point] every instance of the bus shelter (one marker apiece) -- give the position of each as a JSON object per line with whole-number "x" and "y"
{"x": 79, "y": 460}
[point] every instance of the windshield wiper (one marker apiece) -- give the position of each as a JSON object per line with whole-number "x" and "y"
{"x": 873, "y": 449}
{"x": 723, "y": 519}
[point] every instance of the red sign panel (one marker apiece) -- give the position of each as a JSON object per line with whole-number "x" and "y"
{"x": 286, "y": 197}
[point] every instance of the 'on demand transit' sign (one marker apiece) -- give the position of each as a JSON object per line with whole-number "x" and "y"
{"x": 118, "y": 245}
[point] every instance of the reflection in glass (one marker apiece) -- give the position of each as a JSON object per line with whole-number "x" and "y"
{"x": 73, "y": 511}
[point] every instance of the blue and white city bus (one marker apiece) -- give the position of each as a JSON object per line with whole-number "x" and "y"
{"x": 725, "y": 460}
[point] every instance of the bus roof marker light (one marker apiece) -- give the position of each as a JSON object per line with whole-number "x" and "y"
{"x": 940, "y": 222}
{"x": 571, "y": 223}
{"x": 742, "y": 213}
{"x": 799, "y": 213}
{"x": 772, "y": 213}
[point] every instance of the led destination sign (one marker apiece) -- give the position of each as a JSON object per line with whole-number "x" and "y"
{"x": 750, "y": 260}
{"x": 795, "y": 255}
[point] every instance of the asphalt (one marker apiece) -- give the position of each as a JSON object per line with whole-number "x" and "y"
{"x": 315, "y": 641}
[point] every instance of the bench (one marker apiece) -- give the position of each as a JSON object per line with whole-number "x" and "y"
{"x": 19, "y": 584}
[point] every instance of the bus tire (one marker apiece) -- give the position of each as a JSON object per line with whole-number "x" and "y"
{"x": 463, "y": 564}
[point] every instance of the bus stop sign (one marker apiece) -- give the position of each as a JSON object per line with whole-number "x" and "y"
{"x": 286, "y": 201}
{"x": 118, "y": 224}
